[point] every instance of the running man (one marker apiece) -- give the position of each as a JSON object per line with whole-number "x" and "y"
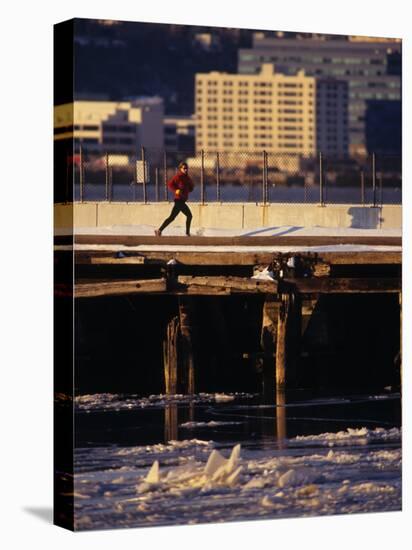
{"x": 182, "y": 185}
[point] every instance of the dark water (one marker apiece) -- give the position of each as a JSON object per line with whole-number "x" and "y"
{"x": 131, "y": 420}
{"x": 305, "y": 455}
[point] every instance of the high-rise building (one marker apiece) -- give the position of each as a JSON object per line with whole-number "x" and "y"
{"x": 371, "y": 68}
{"x": 264, "y": 111}
{"x": 332, "y": 136}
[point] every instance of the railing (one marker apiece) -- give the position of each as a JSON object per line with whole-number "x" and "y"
{"x": 256, "y": 176}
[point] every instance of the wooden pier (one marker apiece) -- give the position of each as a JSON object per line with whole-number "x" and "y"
{"x": 301, "y": 270}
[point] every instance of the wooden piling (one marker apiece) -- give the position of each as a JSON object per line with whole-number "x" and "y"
{"x": 293, "y": 342}
{"x": 268, "y": 339}
{"x": 283, "y": 315}
{"x": 281, "y": 432}
{"x": 170, "y": 355}
{"x": 171, "y": 422}
{"x": 308, "y": 307}
{"x": 186, "y": 359}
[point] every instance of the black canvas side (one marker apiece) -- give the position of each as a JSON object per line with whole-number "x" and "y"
{"x": 63, "y": 282}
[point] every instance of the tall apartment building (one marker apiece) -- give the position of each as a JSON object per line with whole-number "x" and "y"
{"x": 265, "y": 111}
{"x": 372, "y": 70}
{"x": 111, "y": 126}
{"x": 332, "y": 136}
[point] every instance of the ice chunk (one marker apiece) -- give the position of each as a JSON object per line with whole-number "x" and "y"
{"x": 256, "y": 483}
{"x": 232, "y": 479}
{"x": 151, "y": 480}
{"x": 308, "y": 490}
{"x": 221, "y": 397}
{"x": 144, "y": 487}
{"x": 233, "y": 460}
{"x": 221, "y": 469}
{"x": 291, "y": 478}
{"x": 153, "y": 475}
{"x": 214, "y": 463}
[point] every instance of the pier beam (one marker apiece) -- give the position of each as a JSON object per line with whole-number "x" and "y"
{"x": 186, "y": 355}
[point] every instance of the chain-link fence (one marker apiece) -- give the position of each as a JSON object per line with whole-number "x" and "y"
{"x": 255, "y": 176}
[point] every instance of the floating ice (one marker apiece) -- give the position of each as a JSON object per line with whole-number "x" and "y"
{"x": 218, "y": 470}
{"x": 234, "y": 459}
{"x": 118, "y": 402}
{"x": 219, "y": 397}
{"x": 191, "y": 480}
{"x": 353, "y": 433}
{"x": 211, "y": 424}
{"x": 153, "y": 475}
{"x": 215, "y": 461}
{"x": 292, "y": 478}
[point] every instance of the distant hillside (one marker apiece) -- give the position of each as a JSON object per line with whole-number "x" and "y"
{"x": 122, "y": 59}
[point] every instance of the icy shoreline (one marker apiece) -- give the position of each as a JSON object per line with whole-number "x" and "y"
{"x": 193, "y": 481}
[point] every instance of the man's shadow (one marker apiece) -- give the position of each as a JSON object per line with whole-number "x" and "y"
{"x": 364, "y": 217}
{"x": 270, "y": 229}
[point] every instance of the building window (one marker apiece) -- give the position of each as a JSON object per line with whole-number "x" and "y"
{"x": 90, "y": 128}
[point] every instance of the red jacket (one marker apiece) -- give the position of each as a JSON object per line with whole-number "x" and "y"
{"x": 182, "y": 185}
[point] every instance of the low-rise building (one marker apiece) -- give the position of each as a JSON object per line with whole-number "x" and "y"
{"x": 179, "y": 133}
{"x": 117, "y": 127}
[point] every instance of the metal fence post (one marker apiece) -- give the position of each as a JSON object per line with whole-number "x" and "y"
{"x": 81, "y": 174}
{"x": 374, "y": 178}
{"x": 107, "y": 182}
{"x": 157, "y": 184}
{"x": 202, "y": 178}
{"x": 380, "y": 189}
{"x": 136, "y": 178}
{"x": 110, "y": 183}
{"x": 165, "y": 174}
{"x": 362, "y": 182}
{"x": 321, "y": 200}
{"x": 264, "y": 179}
{"x": 217, "y": 178}
{"x": 144, "y": 175}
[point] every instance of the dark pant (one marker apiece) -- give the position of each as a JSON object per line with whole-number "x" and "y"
{"x": 179, "y": 206}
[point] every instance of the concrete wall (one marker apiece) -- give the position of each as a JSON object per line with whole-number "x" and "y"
{"x": 230, "y": 216}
